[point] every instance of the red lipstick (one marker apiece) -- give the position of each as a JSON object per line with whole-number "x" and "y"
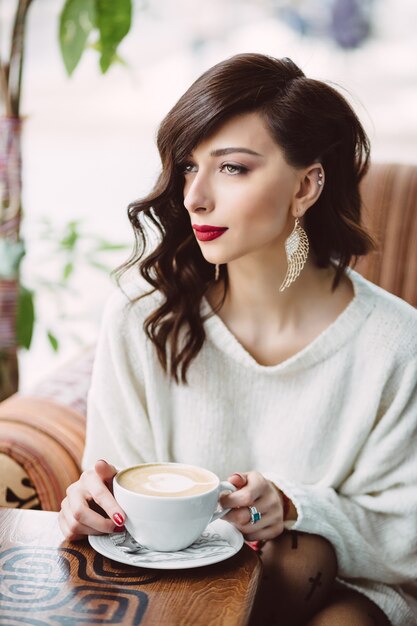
{"x": 207, "y": 233}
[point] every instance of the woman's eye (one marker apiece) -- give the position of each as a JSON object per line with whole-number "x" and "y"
{"x": 233, "y": 170}
{"x": 189, "y": 167}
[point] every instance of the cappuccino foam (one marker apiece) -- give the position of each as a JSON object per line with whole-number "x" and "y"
{"x": 167, "y": 480}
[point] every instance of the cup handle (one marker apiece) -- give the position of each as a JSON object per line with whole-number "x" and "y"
{"x": 223, "y": 486}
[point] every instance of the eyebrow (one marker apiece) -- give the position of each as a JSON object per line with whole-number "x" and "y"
{"x": 224, "y": 151}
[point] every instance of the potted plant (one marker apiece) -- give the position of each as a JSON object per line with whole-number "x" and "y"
{"x": 98, "y": 24}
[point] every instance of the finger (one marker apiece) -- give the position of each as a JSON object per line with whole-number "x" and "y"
{"x": 62, "y": 522}
{"x": 68, "y": 535}
{"x": 267, "y": 506}
{"x": 87, "y": 522}
{"x": 75, "y": 532}
{"x": 96, "y": 487}
{"x": 238, "y": 480}
{"x": 270, "y": 522}
{"x": 268, "y": 500}
{"x": 71, "y": 529}
{"x": 79, "y": 511}
{"x": 267, "y": 519}
{"x": 270, "y": 525}
{"x": 248, "y": 494}
{"x": 265, "y": 534}
{"x": 106, "y": 471}
{"x": 79, "y": 531}
{"x": 239, "y": 517}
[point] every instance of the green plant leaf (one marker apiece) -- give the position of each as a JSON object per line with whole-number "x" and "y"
{"x": 99, "y": 266}
{"x": 114, "y": 18}
{"x": 25, "y": 318}
{"x": 77, "y": 19}
{"x": 67, "y": 271}
{"x": 116, "y": 58}
{"x": 71, "y": 236}
{"x": 104, "y": 246}
{"x": 53, "y": 341}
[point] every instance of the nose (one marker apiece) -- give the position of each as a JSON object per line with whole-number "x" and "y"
{"x": 197, "y": 194}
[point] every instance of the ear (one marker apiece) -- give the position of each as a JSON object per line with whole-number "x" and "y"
{"x": 311, "y": 182}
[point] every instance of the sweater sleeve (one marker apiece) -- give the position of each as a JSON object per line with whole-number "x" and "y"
{"x": 118, "y": 427}
{"x": 371, "y": 517}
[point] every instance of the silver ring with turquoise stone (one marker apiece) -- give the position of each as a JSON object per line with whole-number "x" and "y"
{"x": 255, "y": 515}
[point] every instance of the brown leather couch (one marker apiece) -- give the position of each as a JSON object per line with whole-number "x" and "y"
{"x": 42, "y": 435}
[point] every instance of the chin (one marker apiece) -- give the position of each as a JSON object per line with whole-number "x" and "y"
{"x": 213, "y": 260}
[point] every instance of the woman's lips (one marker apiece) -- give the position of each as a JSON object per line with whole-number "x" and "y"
{"x": 207, "y": 233}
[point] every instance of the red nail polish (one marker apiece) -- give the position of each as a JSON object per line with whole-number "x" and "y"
{"x": 119, "y": 529}
{"x": 118, "y": 519}
{"x": 256, "y": 545}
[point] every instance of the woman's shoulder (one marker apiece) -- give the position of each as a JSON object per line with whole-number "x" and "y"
{"x": 388, "y": 305}
{"x": 391, "y": 317}
{"x": 131, "y": 301}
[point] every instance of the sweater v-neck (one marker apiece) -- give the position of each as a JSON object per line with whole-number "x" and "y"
{"x": 321, "y": 347}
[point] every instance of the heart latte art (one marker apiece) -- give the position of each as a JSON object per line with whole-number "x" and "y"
{"x": 167, "y": 481}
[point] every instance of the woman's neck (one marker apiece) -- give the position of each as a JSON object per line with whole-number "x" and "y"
{"x": 253, "y": 294}
{"x": 273, "y": 325}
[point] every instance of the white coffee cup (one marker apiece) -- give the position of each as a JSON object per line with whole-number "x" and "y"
{"x": 168, "y": 505}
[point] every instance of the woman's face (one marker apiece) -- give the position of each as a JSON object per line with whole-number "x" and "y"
{"x": 238, "y": 181}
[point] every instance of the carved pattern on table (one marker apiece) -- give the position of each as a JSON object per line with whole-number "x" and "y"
{"x": 46, "y": 586}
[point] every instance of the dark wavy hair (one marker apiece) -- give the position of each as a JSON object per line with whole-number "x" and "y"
{"x": 310, "y": 121}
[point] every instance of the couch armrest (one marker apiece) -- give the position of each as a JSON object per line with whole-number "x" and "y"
{"x": 389, "y": 194}
{"x": 41, "y": 444}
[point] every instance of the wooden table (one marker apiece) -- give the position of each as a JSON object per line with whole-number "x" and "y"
{"x": 45, "y": 581}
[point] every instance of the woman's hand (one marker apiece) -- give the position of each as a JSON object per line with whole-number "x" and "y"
{"x": 253, "y": 489}
{"x": 78, "y": 518}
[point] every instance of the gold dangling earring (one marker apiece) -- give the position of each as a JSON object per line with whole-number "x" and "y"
{"x": 216, "y": 271}
{"x": 296, "y": 249}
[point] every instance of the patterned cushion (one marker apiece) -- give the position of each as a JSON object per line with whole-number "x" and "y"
{"x": 16, "y": 488}
{"x": 46, "y": 441}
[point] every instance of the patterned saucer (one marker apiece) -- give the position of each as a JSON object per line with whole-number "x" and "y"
{"x": 218, "y": 542}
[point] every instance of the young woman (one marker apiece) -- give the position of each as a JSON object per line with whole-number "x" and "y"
{"x": 249, "y": 347}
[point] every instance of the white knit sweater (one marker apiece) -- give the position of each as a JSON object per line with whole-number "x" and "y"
{"x": 334, "y": 426}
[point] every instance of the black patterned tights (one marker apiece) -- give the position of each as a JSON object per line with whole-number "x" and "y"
{"x": 298, "y": 587}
